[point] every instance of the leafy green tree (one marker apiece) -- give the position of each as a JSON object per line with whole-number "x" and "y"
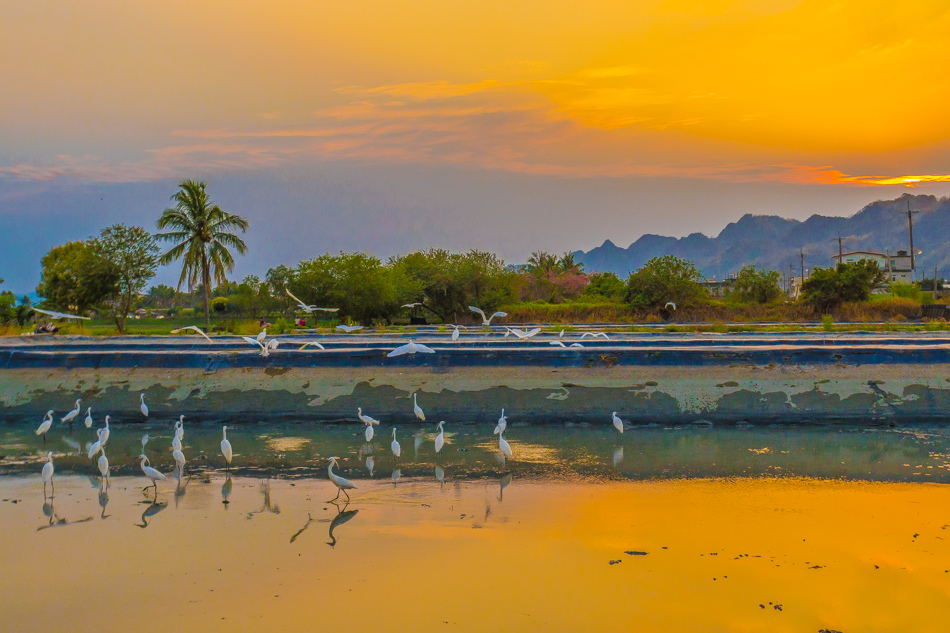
{"x": 756, "y": 286}
{"x": 664, "y": 279}
{"x": 133, "y": 254}
{"x": 160, "y": 296}
{"x": 202, "y": 234}
{"x": 566, "y": 264}
{"x": 604, "y": 286}
{"x": 7, "y": 306}
{"x": 76, "y": 278}
{"x": 828, "y": 288}
{"x": 541, "y": 263}
{"x": 278, "y": 280}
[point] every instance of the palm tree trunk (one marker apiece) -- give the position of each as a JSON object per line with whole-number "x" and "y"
{"x": 206, "y": 285}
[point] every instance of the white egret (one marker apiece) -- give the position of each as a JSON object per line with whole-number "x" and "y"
{"x": 143, "y": 407}
{"x": 226, "y": 447}
{"x": 504, "y": 446}
{"x": 397, "y": 450}
{"x": 412, "y": 305}
{"x": 150, "y": 473}
{"x": 69, "y": 417}
{"x": 308, "y": 308}
{"x": 575, "y": 345}
{"x": 411, "y": 348}
{"x": 341, "y": 484}
{"x": 194, "y": 328}
{"x": 455, "y": 332}
{"x": 670, "y": 304}
{"x": 45, "y": 425}
{"x": 176, "y": 441}
{"x": 618, "y": 423}
{"x": 96, "y": 445}
{"x": 502, "y": 424}
{"x": 595, "y": 335}
{"x": 265, "y": 348}
{"x": 60, "y": 315}
{"x": 312, "y": 343}
{"x": 180, "y": 431}
{"x": 105, "y": 433}
{"x": 507, "y": 332}
{"x": 524, "y": 333}
{"x": 365, "y": 419}
{"x": 262, "y": 335}
{"x": 48, "y": 474}
{"x": 440, "y": 438}
{"x": 145, "y": 439}
{"x": 179, "y": 462}
{"x": 349, "y": 328}
{"x": 561, "y": 335}
{"x": 417, "y": 409}
{"x": 88, "y": 420}
{"x": 557, "y": 343}
{"x": 487, "y": 320}
{"x": 103, "y": 463}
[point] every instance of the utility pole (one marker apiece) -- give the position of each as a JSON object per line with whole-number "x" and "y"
{"x": 840, "y": 254}
{"x": 910, "y": 232}
{"x": 801, "y": 252}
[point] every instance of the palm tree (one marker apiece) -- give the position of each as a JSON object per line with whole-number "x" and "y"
{"x": 202, "y": 234}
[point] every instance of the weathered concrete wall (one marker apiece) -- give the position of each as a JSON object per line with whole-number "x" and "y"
{"x": 723, "y": 379}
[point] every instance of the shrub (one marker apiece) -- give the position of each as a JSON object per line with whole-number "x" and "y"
{"x": 828, "y": 288}
{"x": 827, "y": 323}
{"x": 665, "y": 279}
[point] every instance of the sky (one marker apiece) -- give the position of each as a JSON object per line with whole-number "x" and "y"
{"x": 392, "y": 126}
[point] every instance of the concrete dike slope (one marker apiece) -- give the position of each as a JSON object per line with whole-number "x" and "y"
{"x": 656, "y": 377}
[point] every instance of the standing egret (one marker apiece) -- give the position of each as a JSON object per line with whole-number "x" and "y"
{"x": 105, "y": 433}
{"x": 262, "y": 336}
{"x": 69, "y": 417}
{"x": 397, "y": 450}
{"x": 96, "y": 445}
{"x": 341, "y": 484}
{"x": 151, "y": 474}
{"x": 176, "y": 441}
{"x": 142, "y": 407}
{"x": 103, "y": 463}
{"x": 88, "y": 420}
{"x": 417, "y": 409}
{"x": 48, "y": 474}
{"x": 618, "y": 423}
{"x": 226, "y": 448}
{"x": 411, "y": 348}
{"x": 487, "y": 320}
{"x": 440, "y": 438}
{"x": 502, "y": 424}
{"x": 370, "y": 422}
{"x": 180, "y": 431}
{"x": 504, "y": 446}
{"x": 179, "y": 462}
{"x": 45, "y": 425}
{"x": 455, "y": 333}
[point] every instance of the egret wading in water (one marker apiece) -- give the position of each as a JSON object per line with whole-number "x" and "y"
{"x": 153, "y": 475}
{"x": 618, "y": 423}
{"x": 397, "y": 450}
{"x": 440, "y": 438}
{"x": 48, "y": 474}
{"x": 88, "y": 420}
{"x": 341, "y": 484}
{"x": 502, "y": 423}
{"x": 176, "y": 441}
{"x": 180, "y": 431}
{"x": 69, "y": 417}
{"x": 504, "y": 446}
{"x": 105, "y": 433}
{"x": 226, "y": 448}
{"x": 103, "y": 463}
{"x": 142, "y": 406}
{"x": 417, "y": 409}
{"x": 45, "y": 425}
{"x": 370, "y": 422}
{"x": 96, "y": 445}
{"x": 179, "y": 462}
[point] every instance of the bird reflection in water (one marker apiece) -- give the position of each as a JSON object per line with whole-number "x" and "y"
{"x": 440, "y": 476}
{"x": 104, "y": 499}
{"x": 417, "y": 440}
{"x": 266, "y": 505}
{"x": 226, "y": 489}
{"x": 343, "y": 515}
{"x": 303, "y": 529}
{"x": 618, "y": 456}
{"x": 181, "y": 487}
{"x": 154, "y": 508}
{"x": 370, "y": 465}
{"x": 397, "y": 474}
{"x": 502, "y": 484}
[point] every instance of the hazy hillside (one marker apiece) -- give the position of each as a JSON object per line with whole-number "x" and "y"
{"x": 772, "y": 242}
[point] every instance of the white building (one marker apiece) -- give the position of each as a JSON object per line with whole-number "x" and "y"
{"x": 897, "y": 265}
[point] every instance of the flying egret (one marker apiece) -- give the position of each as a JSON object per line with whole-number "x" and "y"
{"x": 487, "y": 320}
{"x": 308, "y": 308}
{"x": 618, "y": 423}
{"x": 417, "y": 409}
{"x": 96, "y": 445}
{"x": 595, "y": 335}
{"x": 502, "y": 424}
{"x": 226, "y": 448}
{"x": 103, "y": 463}
{"x": 105, "y": 433}
{"x": 150, "y": 473}
{"x": 143, "y": 407}
{"x": 341, "y": 484}
{"x": 194, "y": 328}
{"x": 69, "y": 417}
{"x": 349, "y": 328}
{"x": 557, "y": 343}
{"x": 314, "y": 344}
{"x": 265, "y": 348}
{"x": 440, "y": 438}
{"x": 397, "y": 450}
{"x": 411, "y": 348}
{"x": 48, "y": 474}
{"x": 88, "y": 420}
{"x": 525, "y": 333}
{"x": 670, "y": 304}
{"x": 575, "y": 345}
{"x": 504, "y": 445}
{"x": 45, "y": 425}
{"x": 412, "y": 305}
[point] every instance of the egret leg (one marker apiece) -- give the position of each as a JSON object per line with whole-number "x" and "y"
{"x": 52, "y": 487}
{"x": 346, "y": 493}
{"x": 338, "y": 491}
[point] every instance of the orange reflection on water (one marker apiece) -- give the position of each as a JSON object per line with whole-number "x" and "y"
{"x": 836, "y": 555}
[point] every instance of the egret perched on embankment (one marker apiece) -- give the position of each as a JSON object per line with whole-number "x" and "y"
{"x": 226, "y": 448}
{"x": 341, "y": 484}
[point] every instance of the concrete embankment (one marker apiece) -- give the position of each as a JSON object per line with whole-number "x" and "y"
{"x": 680, "y": 378}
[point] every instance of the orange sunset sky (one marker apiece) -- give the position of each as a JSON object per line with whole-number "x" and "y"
{"x": 398, "y": 125}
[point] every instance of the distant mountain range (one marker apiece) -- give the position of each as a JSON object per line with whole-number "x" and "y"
{"x": 771, "y": 242}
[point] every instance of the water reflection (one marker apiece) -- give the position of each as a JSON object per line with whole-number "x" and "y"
{"x": 266, "y": 504}
{"x": 618, "y": 456}
{"x": 154, "y": 508}
{"x": 343, "y": 515}
{"x": 104, "y": 500}
{"x": 503, "y": 483}
{"x": 226, "y": 489}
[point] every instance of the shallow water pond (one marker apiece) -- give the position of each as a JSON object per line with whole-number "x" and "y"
{"x": 689, "y": 530}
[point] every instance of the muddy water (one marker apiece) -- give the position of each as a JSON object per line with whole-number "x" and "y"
{"x": 522, "y": 546}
